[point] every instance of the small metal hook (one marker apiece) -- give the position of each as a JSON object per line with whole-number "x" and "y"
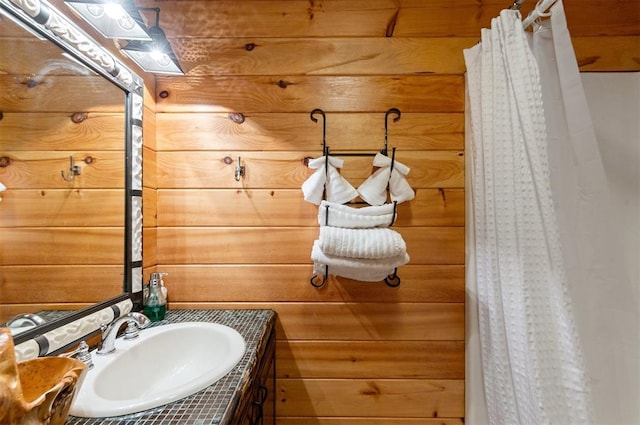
{"x": 239, "y": 170}
{"x": 74, "y": 170}
{"x": 386, "y": 124}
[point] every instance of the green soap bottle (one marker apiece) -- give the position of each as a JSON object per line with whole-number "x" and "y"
{"x": 155, "y": 304}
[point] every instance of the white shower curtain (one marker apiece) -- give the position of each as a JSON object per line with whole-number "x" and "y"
{"x": 532, "y": 364}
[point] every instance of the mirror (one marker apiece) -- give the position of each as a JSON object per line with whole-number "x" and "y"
{"x": 71, "y": 162}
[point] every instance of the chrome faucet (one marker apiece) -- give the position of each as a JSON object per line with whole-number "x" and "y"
{"x": 134, "y": 322}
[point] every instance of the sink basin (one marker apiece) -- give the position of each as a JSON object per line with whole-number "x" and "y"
{"x": 164, "y": 364}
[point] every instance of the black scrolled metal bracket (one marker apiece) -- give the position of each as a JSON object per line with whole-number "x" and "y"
{"x": 393, "y": 279}
{"x": 321, "y": 283}
{"x": 324, "y": 125}
{"x": 390, "y": 111}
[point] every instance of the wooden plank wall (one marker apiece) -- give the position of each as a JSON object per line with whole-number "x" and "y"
{"x": 349, "y": 353}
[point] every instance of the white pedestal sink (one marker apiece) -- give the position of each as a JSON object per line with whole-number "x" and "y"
{"x": 164, "y": 364}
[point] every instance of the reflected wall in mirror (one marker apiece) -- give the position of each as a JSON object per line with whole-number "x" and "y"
{"x": 70, "y": 159}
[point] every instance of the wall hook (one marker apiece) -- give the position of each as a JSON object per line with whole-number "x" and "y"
{"x": 239, "y": 170}
{"x": 74, "y": 170}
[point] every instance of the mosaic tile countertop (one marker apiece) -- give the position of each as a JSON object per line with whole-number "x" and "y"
{"x": 213, "y": 405}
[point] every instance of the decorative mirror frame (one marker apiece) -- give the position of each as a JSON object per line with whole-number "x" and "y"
{"x": 43, "y": 19}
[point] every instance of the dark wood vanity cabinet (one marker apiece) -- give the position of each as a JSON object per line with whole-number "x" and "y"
{"x": 256, "y": 405}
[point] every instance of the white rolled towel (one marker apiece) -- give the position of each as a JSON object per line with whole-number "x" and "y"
{"x": 338, "y": 215}
{"x": 361, "y": 243}
{"x": 355, "y": 268}
{"x": 327, "y": 180}
{"x": 374, "y": 189}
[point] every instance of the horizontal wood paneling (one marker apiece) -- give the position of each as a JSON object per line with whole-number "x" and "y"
{"x": 373, "y": 18}
{"x": 284, "y": 170}
{"x": 41, "y": 170}
{"x": 370, "y": 397}
{"x": 371, "y": 321}
{"x": 22, "y": 53}
{"x": 298, "y": 93}
{"x": 356, "y": 321}
{"x": 149, "y": 170}
{"x": 371, "y": 359}
{"x": 149, "y": 247}
{"x": 357, "y": 56}
{"x": 330, "y": 56}
{"x": 35, "y": 131}
{"x": 63, "y": 207}
{"x": 61, "y": 284}
{"x": 61, "y": 245}
{"x": 608, "y": 53}
{"x": 289, "y": 131}
{"x": 149, "y": 209}
{"x": 290, "y": 245}
{"x": 286, "y": 207}
{"x": 290, "y": 282}
{"x": 51, "y": 94}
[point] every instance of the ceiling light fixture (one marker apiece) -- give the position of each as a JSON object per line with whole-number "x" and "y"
{"x": 112, "y": 18}
{"x": 155, "y": 56}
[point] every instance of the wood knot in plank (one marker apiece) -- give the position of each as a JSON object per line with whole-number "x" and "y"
{"x": 443, "y": 195}
{"x": 588, "y": 60}
{"x": 372, "y": 389}
{"x": 249, "y": 46}
{"x": 313, "y": 7}
{"x": 31, "y": 83}
{"x": 236, "y": 117}
{"x": 283, "y": 84}
{"x": 5, "y": 161}
{"x": 78, "y": 117}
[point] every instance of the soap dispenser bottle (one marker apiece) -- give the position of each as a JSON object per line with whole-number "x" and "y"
{"x": 155, "y": 304}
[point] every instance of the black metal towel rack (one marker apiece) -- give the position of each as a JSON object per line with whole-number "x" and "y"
{"x": 393, "y": 279}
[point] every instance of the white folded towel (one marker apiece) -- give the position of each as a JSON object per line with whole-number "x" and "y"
{"x": 327, "y": 179}
{"x": 374, "y": 189}
{"x": 361, "y": 243}
{"x": 355, "y": 268}
{"x": 338, "y": 215}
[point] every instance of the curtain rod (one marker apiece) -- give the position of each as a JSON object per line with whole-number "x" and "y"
{"x": 537, "y": 12}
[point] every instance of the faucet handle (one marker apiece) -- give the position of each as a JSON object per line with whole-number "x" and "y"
{"x": 131, "y": 332}
{"x": 81, "y": 353}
